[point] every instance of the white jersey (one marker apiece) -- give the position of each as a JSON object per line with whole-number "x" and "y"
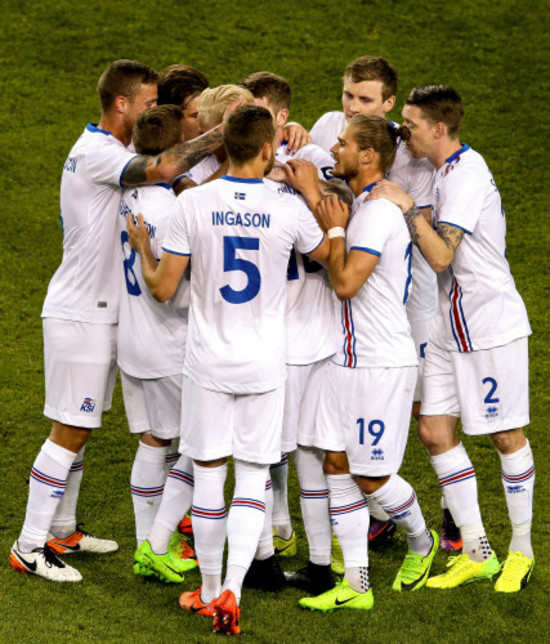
{"x": 204, "y": 169}
{"x": 414, "y": 176}
{"x": 239, "y": 234}
{"x": 151, "y": 334}
{"x": 479, "y": 306}
{"x": 86, "y": 286}
{"x": 310, "y": 314}
{"x": 375, "y": 328}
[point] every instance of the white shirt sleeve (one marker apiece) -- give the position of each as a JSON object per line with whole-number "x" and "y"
{"x": 308, "y": 234}
{"x": 106, "y": 163}
{"x": 177, "y": 237}
{"x": 462, "y": 199}
{"x": 371, "y": 227}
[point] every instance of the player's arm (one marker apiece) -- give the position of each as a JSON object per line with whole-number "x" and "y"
{"x": 162, "y": 278}
{"x": 296, "y": 136}
{"x": 437, "y": 246}
{"x": 348, "y": 271}
{"x": 303, "y": 176}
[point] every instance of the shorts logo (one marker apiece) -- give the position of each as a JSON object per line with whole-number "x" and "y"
{"x": 240, "y": 196}
{"x": 515, "y": 489}
{"x": 57, "y": 494}
{"x": 377, "y": 455}
{"x": 492, "y": 412}
{"x": 88, "y": 405}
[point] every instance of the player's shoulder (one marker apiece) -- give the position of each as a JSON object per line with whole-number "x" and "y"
{"x": 330, "y": 118}
{"x": 465, "y": 167}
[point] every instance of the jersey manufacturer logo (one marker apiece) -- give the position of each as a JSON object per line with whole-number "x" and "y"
{"x": 241, "y": 196}
{"x": 88, "y": 405}
{"x": 515, "y": 489}
{"x": 377, "y": 455}
{"x": 57, "y": 494}
{"x": 492, "y": 412}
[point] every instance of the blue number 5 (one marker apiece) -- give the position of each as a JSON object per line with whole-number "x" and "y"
{"x": 232, "y": 263}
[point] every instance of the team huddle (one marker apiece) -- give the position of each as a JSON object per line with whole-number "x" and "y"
{"x": 269, "y": 293}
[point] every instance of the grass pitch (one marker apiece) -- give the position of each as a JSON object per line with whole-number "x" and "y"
{"x": 52, "y": 53}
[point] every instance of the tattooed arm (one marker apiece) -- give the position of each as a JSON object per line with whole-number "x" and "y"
{"x": 437, "y": 246}
{"x": 167, "y": 165}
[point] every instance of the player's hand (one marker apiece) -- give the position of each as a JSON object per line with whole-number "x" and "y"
{"x": 296, "y": 136}
{"x": 392, "y": 192}
{"x": 231, "y": 108}
{"x": 277, "y": 173}
{"x": 332, "y": 212}
{"x": 301, "y": 175}
{"x": 138, "y": 235}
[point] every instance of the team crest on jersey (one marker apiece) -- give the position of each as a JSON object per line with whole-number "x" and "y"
{"x": 241, "y": 196}
{"x": 88, "y": 405}
{"x": 492, "y": 412}
{"x": 377, "y": 455}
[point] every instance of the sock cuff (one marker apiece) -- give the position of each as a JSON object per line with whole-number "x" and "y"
{"x": 60, "y": 455}
{"x": 209, "y": 473}
{"x": 151, "y": 454}
{"x": 517, "y": 459}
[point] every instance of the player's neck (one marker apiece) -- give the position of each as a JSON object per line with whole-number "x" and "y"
{"x": 253, "y": 170}
{"x": 278, "y": 140}
{"x": 364, "y": 179}
{"x": 114, "y": 125}
{"x": 447, "y": 148}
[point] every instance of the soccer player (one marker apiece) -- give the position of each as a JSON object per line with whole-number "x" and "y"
{"x": 310, "y": 326}
{"x": 81, "y": 311}
{"x": 369, "y": 87}
{"x": 477, "y": 361}
{"x": 364, "y": 407}
{"x": 151, "y": 343}
{"x": 239, "y": 235}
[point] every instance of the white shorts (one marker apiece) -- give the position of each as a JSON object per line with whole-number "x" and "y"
{"x": 216, "y": 424}
{"x": 297, "y": 377}
{"x": 366, "y": 413}
{"x": 310, "y": 403}
{"x": 488, "y": 390}
{"x": 153, "y": 405}
{"x": 420, "y": 332}
{"x": 80, "y": 371}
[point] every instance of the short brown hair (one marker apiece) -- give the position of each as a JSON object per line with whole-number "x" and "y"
{"x": 215, "y": 100}
{"x": 374, "y": 132}
{"x": 246, "y": 131}
{"x": 123, "y": 78}
{"x": 439, "y": 103}
{"x": 157, "y": 129}
{"x": 178, "y": 84}
{"x": 275, "y": 88}
{"x": 369, "y": 68}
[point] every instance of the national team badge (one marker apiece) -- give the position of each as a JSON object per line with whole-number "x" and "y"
{"x": 241, "y": 196}
{"x": 88, "y": 405}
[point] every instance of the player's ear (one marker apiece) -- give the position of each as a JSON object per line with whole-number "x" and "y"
{"x": 367, "y": 156}
{"x": 282, "y": 117}
{"x": 388, "y": 104}
{"x": 267, "y": 151}
{"x": 120, "y": 104}
{"x": 440, "y": 129}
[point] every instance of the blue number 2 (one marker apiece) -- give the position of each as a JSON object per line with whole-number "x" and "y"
{"x": 232, "y": 263}
{"x": 489, "y": 400}
{"x": 376, "y": 430}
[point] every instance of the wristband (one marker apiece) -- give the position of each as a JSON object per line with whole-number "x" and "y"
{"x": 337, "y": 231}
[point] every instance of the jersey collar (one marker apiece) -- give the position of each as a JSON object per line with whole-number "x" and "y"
{"x": 92, "y": 127}
{"x": 370, "y": 186}
{"x": 463, "y": 149}
{"x": 241, "y": 179}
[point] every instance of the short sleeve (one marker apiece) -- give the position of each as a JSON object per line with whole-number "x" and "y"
{"x": 414, "y": 176}
{"x": 177, "y": 237}
{"x": 461, "y": 200}
{"x": 107, "y": 162}
{"x": 371, "y": 227}
{"x": 308, "y": 234}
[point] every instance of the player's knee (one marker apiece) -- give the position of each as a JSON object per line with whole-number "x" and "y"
{"x": 370, "y": 485}
{"x": 336, "y": 463}
{"x": 509, "y": 441}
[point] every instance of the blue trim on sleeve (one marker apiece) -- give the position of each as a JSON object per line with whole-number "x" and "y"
{"x": 450, "y": 223}
{"x": 366, "y": 250}
{"x": 167, "y": 186}
{"x": 124, "y": 169}
{"x": 241, "y": 179}
{"x": 463, "y": 149}
{"x": 428, "y": 205}
{"x": 92, "y": 127}
{"x": 173, "y": 252}
{"x": 316, "y": 247}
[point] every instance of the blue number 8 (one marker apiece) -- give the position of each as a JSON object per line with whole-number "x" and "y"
{"x": 232, "y": 263}
{"x": 132, "y": 285}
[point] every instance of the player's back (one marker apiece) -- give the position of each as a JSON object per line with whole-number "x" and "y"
{"x": 86, "y": 285}
{"x": 239, "y": 235}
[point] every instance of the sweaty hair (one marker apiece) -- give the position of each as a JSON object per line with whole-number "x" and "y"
{"x": 214, "y": 101}
{"x": 373, "y": 68}
{"x": 157, "y": 129}
{"x": 439, "y": 104}
{"x": 178, "y": 84}
{"x": 246, "y": 131}
{"x": 370, "y": 131}
{"x": 274, "y": 88}
{"x": 123, "y": 78}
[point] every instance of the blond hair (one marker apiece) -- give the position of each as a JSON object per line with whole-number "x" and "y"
{"x": 215, "y": 100}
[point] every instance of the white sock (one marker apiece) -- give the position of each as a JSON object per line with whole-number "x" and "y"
{"x": 518, "y": 479}
{"x": 349, "y": 515}
{"x": 281, "y": 514}
{"x": 377, "y": 511}
{"x": 358, "y": 579}
{"x": 399, "y": 500}
{"x": 314, "y": 503}
{"x": 64, "y": 520}
{"x": 147, "y": 484}
{"x": 175, "y": 503}
{"x": 209, "y": 526}
{"x": 234, "y": 580}
{"x": 265, "y": 545}
{"x": 172, "y": 455}
{"x": 246, "y": 518}
{"x": 46, "y": 488}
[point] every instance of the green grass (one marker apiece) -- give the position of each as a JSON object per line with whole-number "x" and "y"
{"x": 51, "y": 55}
